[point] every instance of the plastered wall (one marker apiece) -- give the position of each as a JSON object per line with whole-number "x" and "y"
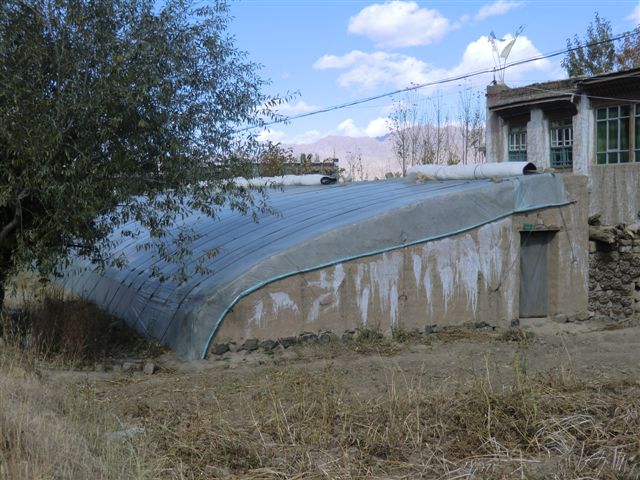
{"x": 469, "y": 277}
{"x": 615, "y": 192}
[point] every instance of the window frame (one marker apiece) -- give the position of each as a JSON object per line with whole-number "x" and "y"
{"x": 561, "y": 143}
{"x": 635, "y": 133}
{"x": 517, "y": 150}
{"x": 613, "y": 125}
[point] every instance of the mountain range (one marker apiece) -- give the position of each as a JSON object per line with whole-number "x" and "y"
{"x": 376, "y": 154}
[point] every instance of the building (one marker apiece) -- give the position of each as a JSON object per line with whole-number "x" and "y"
{"x": 587, "y": 126}
{"x": 387, "y": 255}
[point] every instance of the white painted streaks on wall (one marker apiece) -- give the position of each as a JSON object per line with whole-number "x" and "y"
{"x": 326, "y": 290}
{"x": 282, "y": 301}
{"x": 362, "y": 293}
{"x": 440, "y": 274}
{"x": 384, "y": 275}
{"x": 256, "y": 319}
{"x": 445, "y": 271}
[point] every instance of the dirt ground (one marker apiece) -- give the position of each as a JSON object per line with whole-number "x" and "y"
{"x": 586, "y": 351}
{"x": 277, "y": 415}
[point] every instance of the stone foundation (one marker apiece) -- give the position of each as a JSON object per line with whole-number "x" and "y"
{"x": 614, "y": 278}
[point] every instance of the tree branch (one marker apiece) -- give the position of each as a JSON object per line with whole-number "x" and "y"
{"x": 7, "y": 229}
{"x": 17, "y": 218}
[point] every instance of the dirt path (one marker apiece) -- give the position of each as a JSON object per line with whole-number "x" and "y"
{"x": 583, "y": 350}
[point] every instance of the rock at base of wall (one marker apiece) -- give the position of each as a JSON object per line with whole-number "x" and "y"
{"x": 251, "y": 344}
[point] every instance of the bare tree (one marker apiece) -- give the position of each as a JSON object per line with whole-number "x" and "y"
{"x": 355, "y": 166}
{"x": 423, "y": 131}
{"x": 476, "y": 134}
{"x": 471, "y": 123}
{"x": 402, "y": 120}
{"x": 409, "y": 130}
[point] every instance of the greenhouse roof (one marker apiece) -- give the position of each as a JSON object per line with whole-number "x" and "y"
{"x": 314, "y": 227}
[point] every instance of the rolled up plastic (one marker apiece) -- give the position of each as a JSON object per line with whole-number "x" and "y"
{"x": 285, "y": 180}
{"x": 473, "y": 171}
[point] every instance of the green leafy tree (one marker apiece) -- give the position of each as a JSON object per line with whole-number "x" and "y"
{"x": 596, "y": 53}
{"x": 628, "y": 51}
{"x": 599, "y": 56}
{"x": 117, "y": 111}
{"x": 274, "y": 159}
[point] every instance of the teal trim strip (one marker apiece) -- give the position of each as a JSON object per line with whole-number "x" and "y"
{"x": 258, "y": 286}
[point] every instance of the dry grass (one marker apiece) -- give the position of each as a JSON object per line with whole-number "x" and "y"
{"x": 286, "y": 423}
{"x": 291, "y": 422}
{"x": 47, "y": 432}
{"x": 48, "y": 429}
{"x": 70, "y": 332}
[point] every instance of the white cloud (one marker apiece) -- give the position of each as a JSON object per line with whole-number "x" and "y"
{"x": 400, "y": 24}
{"x": 499, "y": 7}
{"x": 275, "y": 136}
{"x": 380, "y": 69}
{"x": 370, "y": 70}
{"x": 348, "y": 127}
{"x": 293, "y": 109}
{"x": 309, "y": 136}
{"x": 376, "y": 128}
{"x": 279, "y": 136}
{"x": 634, "y": 16}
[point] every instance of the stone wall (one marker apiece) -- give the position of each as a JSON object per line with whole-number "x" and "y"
{"x": 614, "y": 278}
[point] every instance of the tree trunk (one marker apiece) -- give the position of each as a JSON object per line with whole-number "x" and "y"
{"x": 3, "y": 277}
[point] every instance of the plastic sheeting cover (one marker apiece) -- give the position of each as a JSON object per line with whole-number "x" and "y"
{"x": 285, "y": 180}
{"x": 471, "y": 171}
{"x": 316, "y": 227}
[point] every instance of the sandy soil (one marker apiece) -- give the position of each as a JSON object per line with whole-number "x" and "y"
{"x": 585, "y": 351}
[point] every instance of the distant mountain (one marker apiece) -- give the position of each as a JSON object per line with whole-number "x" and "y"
{"x": 376, "y": 153}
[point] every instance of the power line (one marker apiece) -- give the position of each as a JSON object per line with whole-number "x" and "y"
{"x": 442, "y": 81}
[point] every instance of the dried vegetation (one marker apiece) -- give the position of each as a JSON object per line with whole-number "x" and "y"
{"x": 285, "y": 421}
{"x": 286, "y": 424}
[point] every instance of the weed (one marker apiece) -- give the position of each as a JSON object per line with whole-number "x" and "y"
{"x": 70, "y": 331}
{"x": 515, "y": 334}
{"x": 49, "y": 432}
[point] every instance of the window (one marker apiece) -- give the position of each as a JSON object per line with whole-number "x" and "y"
{"x": 613, "y": 134}
{"x": 518, "y": 143}
{"x": 561, "y": 133}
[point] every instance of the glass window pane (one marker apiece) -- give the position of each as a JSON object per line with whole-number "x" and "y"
{"x": 612, "y": 157}
{"x": 602, "y": 136}
{"x": 601, "y": 158}
{"x": 624, "y": 134}
{"x": 624, "y": 110}
{"x": 613, "y": 112}
{"x": 613, "y": 135}
{"x": 624, "y": 157}
{"x": 602, "y": 113}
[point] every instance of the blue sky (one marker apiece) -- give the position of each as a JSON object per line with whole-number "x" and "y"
{"x": 333, "y": 52}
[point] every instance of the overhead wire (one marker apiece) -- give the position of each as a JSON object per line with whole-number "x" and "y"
{"x": 441, "y": 81}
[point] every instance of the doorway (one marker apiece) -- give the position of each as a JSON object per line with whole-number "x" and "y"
{"x": 534, "y": 273}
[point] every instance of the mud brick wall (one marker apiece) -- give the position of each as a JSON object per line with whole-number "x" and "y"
{"x": 614, "y": 278}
